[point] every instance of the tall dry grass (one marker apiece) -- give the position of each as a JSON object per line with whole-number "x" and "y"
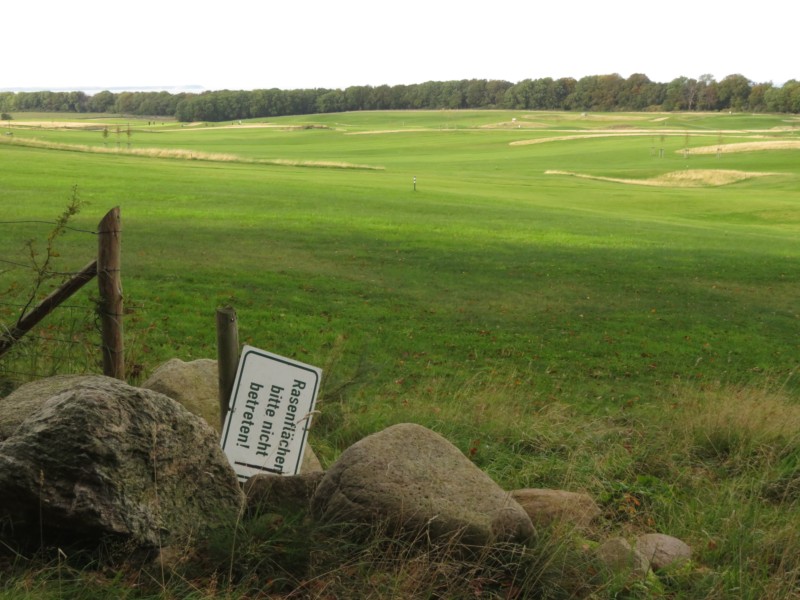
{"x": 180, "y": 154}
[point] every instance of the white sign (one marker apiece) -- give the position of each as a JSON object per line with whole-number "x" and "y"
{"x": 269, "y": 414}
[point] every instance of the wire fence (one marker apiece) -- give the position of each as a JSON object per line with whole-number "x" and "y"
{"x": 68, "y": 339}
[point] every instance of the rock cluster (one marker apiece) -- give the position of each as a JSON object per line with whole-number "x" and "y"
{"x": 88, "y": 457}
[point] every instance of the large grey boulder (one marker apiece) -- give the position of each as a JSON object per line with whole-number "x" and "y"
{"x": 97, "y": 458}
{"x": 416, "y": 482}
{"x": 195, "y": 385}
{"x": 546, "y": 507}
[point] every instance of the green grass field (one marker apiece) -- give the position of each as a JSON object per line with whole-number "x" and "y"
{"x": 577, "y": 330}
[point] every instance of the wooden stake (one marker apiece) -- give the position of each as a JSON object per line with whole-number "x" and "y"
{"x": 110, "y": 283}
{"x": 227, "y": 356}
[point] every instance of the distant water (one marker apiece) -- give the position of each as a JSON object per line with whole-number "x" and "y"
{"x": 91, "y": 90}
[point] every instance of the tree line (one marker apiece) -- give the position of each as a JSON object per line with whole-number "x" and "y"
{"x": 591, "y": 93}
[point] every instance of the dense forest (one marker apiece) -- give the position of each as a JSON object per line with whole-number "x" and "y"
{"x": 590, "y": 93}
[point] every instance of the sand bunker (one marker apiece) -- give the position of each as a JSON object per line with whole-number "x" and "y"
{"x": 519, "y": 124}
{"x": 382, "y": 131}
{"x": 693, "y": 134}
{"x": 746, "y": 147}
{"x": 604, "y": 134}
{"x": 57, "y": 124}
{"x": 210, "y": 125}
{"x": 688, "y": 178}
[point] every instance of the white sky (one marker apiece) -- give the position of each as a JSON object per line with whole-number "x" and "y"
{"x": 251, "y": 44}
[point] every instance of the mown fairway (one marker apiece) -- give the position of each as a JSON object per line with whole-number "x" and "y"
{"x": 591, "y": 292}
{"x": 478, "y": 302}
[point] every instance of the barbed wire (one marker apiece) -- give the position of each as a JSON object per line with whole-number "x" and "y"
{"x": 33, "y": 268}
{"x": 17, "y": 264}
{"x": 44, "y": 338}
{"x": 46, "y": 353}
{"x": 78, "y": 229}
{"x": 29, "y": 267}
{"x": 70, "y": 342}
{"x": 72, "y": 306}
{"x": 6, "y": 372}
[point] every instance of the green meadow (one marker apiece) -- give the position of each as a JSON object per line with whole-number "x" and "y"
{"x": 530, "y": 285}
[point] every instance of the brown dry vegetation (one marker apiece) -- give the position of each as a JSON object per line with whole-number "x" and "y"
{"x": 181, "y": 154}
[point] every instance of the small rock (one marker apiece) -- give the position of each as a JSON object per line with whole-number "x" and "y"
{"x": 621, "y": 558}
{"x": 275, "y": 493}
{"x": 194, "y": 385}
{"x": 663, "y": 550}
{"x": 546, "y": 507}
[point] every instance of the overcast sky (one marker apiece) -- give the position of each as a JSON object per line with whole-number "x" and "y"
{"x": 252, "y": 44}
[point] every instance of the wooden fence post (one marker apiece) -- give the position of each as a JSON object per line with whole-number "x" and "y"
{"x": 110, "y": 283}
{"x": 227, "y": 356}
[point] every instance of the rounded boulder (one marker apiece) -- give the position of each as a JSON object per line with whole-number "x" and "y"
{"x": 414, "y": 481}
